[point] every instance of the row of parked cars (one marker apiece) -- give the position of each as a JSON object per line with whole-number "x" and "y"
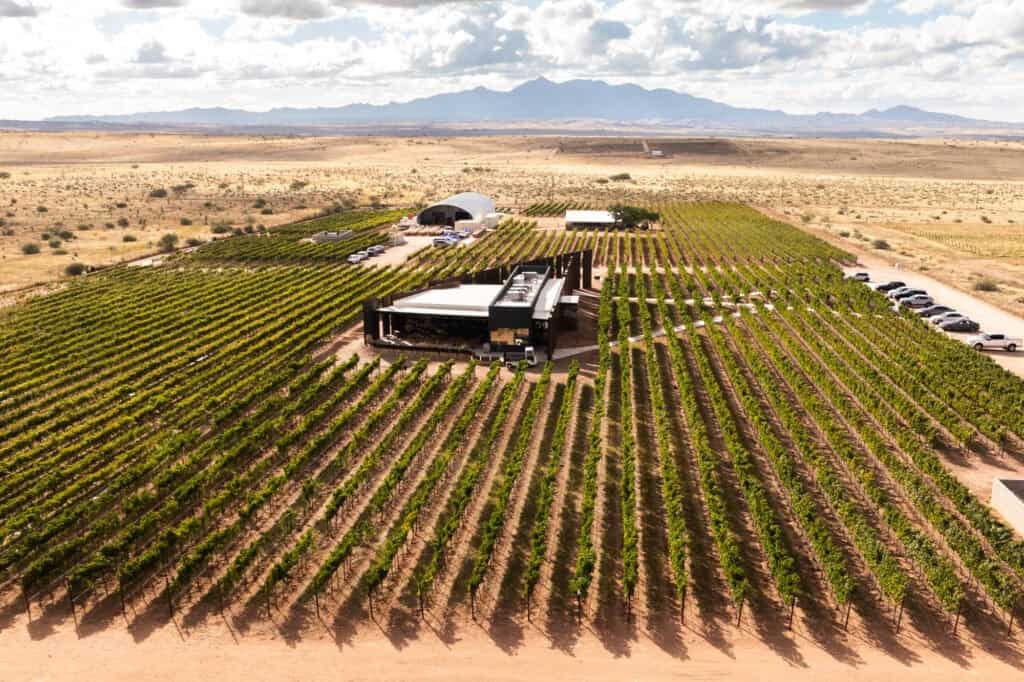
{"x": 942, "y": 316}
{"x": 360, "y": 256}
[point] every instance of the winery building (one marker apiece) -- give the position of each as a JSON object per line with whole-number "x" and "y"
{"x": 495, "y": 310}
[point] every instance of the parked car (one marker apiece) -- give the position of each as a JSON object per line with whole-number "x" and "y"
{"x": 994, "y": 342}
{"x": 947, "y": 317}
{"x": 860, "y": 277}
{"x": 933, "y": 310}
{"x": 889, "y": 286}
{"x": 355, "y": 258}
{"x": 917, "y": 301}
{"x": 907, "y": 293}
{"x": 375, "y": 250}
{"x": 959, "y": 324}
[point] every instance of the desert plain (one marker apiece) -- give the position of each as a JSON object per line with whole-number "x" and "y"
{"x": 951, "y": 208}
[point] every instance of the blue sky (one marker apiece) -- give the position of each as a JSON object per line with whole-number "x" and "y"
{"x": 120, "y": 56}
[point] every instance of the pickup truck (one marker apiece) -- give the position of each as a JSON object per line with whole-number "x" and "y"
{"x": 510, "y": 358}
{"x": 994, "y": 342}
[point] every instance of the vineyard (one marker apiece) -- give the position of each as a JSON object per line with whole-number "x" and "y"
{"x": 751, "y": 440}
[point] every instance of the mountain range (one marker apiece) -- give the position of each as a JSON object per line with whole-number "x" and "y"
{"x": 540, "y": 100}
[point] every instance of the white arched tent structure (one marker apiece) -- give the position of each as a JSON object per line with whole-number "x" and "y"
{"x": 465, "y": 206}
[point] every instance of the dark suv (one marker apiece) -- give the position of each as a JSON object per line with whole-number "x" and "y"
{"x": 933, "y": 310}
{"x": 959, "y": 325}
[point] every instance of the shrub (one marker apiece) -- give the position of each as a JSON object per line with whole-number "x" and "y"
{"x": 121, "y": 204}
{"x": 631, "y": 216}
{"x": 986, "y": 284}
{"x": 844, "y": 233}
{"x": 108, "y": 226}
{"x": 41, "y": 209}
{"x": 59, "y": 252}
{"x": 300, "y": 184}
{"x": 620, "y": 177}
{"x": 267, "y": 211}
{"x": 168, "y": 242}
{"x": 66, "y": 235}
{"x": 186, "y": 222}
{"x": 881, "y": 244}
{"x": 158, "y": 193}
{"x": 84, "y": 227}
{"x": 122, "y": 222}
{"x": 30, "y": 249}
{"x": 75, "y": 269}
{"x": 221, "y": 228}
{"x": 7, "y": 231}
{"x": 45, "y": 236}
{"x": 55, "y": 243}
{"x": 129, "y": 238}
{"x": 192, "y": 241}
{"x": 260, "y": 203}
{"x": 4, "y": 175}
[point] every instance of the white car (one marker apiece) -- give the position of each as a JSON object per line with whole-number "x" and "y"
{"x": 945, "y": 317}
{"x": 918, "y": 301}
{"x": 355, "y": 258}
{"x": 994, "y": 342}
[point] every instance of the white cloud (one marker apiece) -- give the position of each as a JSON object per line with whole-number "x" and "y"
{"x": 287, "y": 9}
{"x": 104, "y": 56}
{"x": 12, "y": 9}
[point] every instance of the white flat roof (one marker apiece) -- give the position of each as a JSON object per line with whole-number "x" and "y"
{"x": 601, "y": 217}
{"x": 548, "y": 299}
{"x": 465, "y": 300}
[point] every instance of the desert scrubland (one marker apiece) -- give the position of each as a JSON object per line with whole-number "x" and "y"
{"x": 952, "y": 208}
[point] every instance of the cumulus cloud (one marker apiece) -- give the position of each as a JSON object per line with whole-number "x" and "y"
{"x": 286, "y": 9}
{"x": 824, "y": 5}
{"x": 10, "y": 8}
{"x": 152, "y": 53}
{"x": 960, "y": 55}
{"x": 153, "y": 4}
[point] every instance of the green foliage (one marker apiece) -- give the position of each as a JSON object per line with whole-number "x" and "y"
{"x": 168, "y": 242}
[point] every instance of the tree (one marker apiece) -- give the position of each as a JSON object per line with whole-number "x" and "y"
{"x": 168, "y": 242}
{"x": 75, "y": 269}
{"x": 631, "y": 216}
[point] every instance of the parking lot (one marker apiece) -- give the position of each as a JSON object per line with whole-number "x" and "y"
{"x": 991, "y": 318}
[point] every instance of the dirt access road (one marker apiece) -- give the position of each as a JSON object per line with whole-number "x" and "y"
{"x": 991, "y": 318}
{"x": 213, "y": 652}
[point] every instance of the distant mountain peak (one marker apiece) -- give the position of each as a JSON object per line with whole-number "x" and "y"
{"x": 541, "y": 100}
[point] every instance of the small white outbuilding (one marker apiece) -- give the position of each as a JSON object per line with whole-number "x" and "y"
{"x": 1008, "y": 500}
{"x": 583, "y": 220}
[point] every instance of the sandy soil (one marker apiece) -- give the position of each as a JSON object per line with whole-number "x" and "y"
{"x": 216, "y": 653}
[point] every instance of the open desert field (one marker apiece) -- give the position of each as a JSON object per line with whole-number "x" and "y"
{"x": 952, "y": 208}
